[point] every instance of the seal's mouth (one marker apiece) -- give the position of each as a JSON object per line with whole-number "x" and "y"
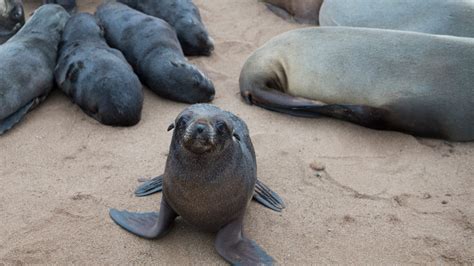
{"x": 199, "y": 138}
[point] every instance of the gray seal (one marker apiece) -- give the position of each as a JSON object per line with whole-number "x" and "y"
{"x": 184, "y": 17}
{"x": 302, "y": 11}
{"x": 152, "y": 48}
{"x": 96, "y": 77}
{"x": 12, "y": 18}
{"x": 209, "y": 179}
{"x": 69, "y": 5}
{"x": 27, "y": 64}
{"x": 445, "y": 17}
{"x": 406, "y": 81}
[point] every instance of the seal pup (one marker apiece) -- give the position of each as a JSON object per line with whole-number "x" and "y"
{"x": 69, "y": 5}
{"x": 12, "y": 18}
{"x": 184, "y": 17}
{"x": 445, "y": 17}
{"x": 152, "y": 48}
{"x": 209, "y": 179}
{"x": 96, "y": 77}
{"x": 301, "y": 11}
{"x": 27, "y": 64}
{"x": 412, "y": 82}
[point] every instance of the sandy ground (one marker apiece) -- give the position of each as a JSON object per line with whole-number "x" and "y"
{"x": 384, "y": 197}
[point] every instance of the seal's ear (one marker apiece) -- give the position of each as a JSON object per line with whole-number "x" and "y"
{"x": 171, "y": 127}
{"x": 236, "y": 136}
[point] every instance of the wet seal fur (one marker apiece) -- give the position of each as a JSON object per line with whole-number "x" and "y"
{"x": 184, "y": 17}
{"x": 96, "y": 77}
{"x": 152, "y": 48}
{"x": 445, "y": 17}
{"x": 12, "y": 18}
{"x": 394, "y": 80}
{"x": 69, "y": 5}
{"x": 27, "y": 64}
{"x": 302, "y": 11}
{"x": 209, "y": 179}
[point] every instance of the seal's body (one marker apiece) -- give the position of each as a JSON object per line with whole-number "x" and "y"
{"x": 302, "y": 11}
{"x": 412, "y": 82}
{"x": 27, "y": 64}
{"x": 69, "y": 5}
{"x": 152, "y": 48}
{"x": 209, "y": 179}
{"x": 184, "y": 17}
{"x": 446, "y": 17}
{"x": 12, "y": 18}
{"x": 97, "y": 77}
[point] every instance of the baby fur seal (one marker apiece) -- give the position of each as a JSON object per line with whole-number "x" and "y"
{"x": 184, "y": 17}
{"x": 209, "y": 179}
{"x": 12, "y": 18}
{"x": 445, "y": 17}
{"x": 302, "y": 11}
{"x": 97, "y": 77}
{"x": 69, "y": 5}
{"x": 152, "y": 48}
{"x": 27, "y": 64}
{"x": 406, "y": 81}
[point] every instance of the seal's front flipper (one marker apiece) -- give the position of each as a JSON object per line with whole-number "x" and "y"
{"x": 265, "y": 196}
{"x": 236, "y": 249}
{"x": 147, "y": 225}
{"x": 7, "y": 123}
{"x": 282, "y": 13}
{"x": 149, "y": 187}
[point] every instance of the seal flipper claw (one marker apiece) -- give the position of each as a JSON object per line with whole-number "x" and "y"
{"x": 265, "y": 196}
{"x": 147, "y": 225}
{"x": 10, "y": 121}
{"x": 236, "y": 249}
{"x": 151, "y": 186}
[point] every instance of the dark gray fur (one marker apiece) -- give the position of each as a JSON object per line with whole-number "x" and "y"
{"x": 27, "y": 64}
{"x": 69, "y": 5}
{"x": 11, "y": 19}
{"x": 152, "y": 48}
{"x": 97, "y": 77}
{"x": 184, "y": 17}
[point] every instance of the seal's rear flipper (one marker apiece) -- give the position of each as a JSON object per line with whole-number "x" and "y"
{"x": 146, "y": 225}
{"x": 149, "y": 187}
{"x": 265, "y": 196}
{"x": 7, "y": 123}
{"x": 236, "y": 249}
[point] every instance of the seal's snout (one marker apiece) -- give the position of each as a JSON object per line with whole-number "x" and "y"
{"x": 199, "y": 137}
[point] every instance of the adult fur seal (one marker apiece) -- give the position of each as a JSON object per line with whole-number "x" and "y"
{"x": 446, "y": 17}
{"x": 302, "y": 11}
{"x": 152, "y": 48}
{"x": 27, "y": 64}
{"x": 97, "y": 77}
{"x": 209, "y": 179}
{"x": 412, "y": 82}
{"x": 69, "y": 5}
{"x": 184, "y": 17}
{"x": 12, "y": 18}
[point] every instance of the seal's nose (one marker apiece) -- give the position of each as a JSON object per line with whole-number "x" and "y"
{"x": 200, "y": 128}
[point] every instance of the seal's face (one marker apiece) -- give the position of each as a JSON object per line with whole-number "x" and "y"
{"x": 202, "y": 133}
{"x": 192, "y": 82}
{"x": 12, "y": 16}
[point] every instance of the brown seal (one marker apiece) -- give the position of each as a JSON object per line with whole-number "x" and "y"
{"x": 302, "y": 11}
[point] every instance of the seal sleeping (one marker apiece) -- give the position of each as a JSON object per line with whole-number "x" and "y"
{"x": 152, "y": 48}
{"x": 27, "y": 64}
{"x": 446, "y": 17}
{"x": 184, "y": 17}
{"x": 209, "y": 179}
{"x": 302, "y": 11}
{"x": 97, "y": 77}
{"x": 12, "y": 18}
{"x": 406, "y": 81}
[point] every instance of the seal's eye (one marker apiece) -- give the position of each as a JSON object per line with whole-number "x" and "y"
{"x": 221, "y": 126}
{"x": 183, "y": 120}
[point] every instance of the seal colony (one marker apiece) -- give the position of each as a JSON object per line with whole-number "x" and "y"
{"x": 27, "y": 64}
{"x": 411, "y": 82}
{"x": 209, "y": 179}
{"x": 12, "y": 18}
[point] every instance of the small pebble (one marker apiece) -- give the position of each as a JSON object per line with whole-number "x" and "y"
{"x": 317, "y": 166}
{"x": 444, "y": 202}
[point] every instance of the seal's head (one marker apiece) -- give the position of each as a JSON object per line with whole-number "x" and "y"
{"x": 203, "y": 128}
{"x": 195, "y": 87}
{"x": 195, "y": 40}
{"x": 12, "y": 17}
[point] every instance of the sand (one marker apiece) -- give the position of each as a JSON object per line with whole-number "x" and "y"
{"x": 383, "y": 197}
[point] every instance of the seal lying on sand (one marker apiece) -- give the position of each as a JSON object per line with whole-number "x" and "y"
{"x": 12, "y": 18}
{"x": 27, "y": 64}
{"x": 152, "y": 48}
{"x": 302, "y": 11}
{"x": 69, "y": 5}
{"x": 209, "y": 179}
{"x": 184, "y": 17}
{"x": 97, "y": 77}
{"x": 412, "y": 82}
{"x": 446, "y": 17}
